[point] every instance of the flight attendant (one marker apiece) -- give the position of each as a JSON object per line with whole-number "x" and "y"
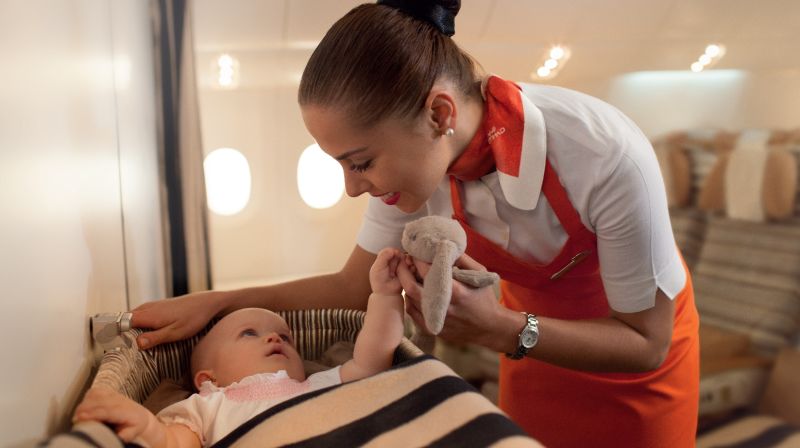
{"x": 558, "y": 192}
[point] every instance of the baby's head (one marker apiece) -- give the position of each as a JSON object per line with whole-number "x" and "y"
{"x": 243, "y": 343}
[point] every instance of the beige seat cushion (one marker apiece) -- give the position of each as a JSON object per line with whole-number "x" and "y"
{"x": 782, "y": 397}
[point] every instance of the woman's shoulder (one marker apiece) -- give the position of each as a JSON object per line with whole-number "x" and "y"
{"x": 586, "y": 130}
{"x": 583, "y": 118}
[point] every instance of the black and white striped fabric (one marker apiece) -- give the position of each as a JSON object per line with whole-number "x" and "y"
{"x": 419, "y": 402}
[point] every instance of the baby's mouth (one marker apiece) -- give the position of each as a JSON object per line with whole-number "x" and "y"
{"x": 276, "y": 351}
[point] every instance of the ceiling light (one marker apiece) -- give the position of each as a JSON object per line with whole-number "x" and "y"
{"x": 554, "y": 60}
{"x": 713, "y": 53}
{"x": 556, "y": 53}
{"x": 713, "y": 50}
{"x": 227, "y": 69}
{"x": 543, "y": 72}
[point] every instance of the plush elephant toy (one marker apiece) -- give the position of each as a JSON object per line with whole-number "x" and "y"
{"x": 440, "y": 241}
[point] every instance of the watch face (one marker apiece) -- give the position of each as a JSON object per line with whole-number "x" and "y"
{"x": 528, "y": 338}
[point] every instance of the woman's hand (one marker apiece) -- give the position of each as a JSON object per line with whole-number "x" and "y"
{"x": 177, "y": 318}
{"x": 472, "y": 310}
{"x": 383, "y": 273}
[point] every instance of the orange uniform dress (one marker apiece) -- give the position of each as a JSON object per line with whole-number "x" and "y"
{"x": 568, "y": 408}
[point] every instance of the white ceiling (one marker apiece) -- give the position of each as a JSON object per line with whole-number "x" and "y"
{"x": 273, "y": 38}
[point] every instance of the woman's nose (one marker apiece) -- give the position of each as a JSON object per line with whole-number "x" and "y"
{"x": 355, "y": 184}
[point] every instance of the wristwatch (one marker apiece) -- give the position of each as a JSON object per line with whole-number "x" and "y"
{"x": 527, "y": 337}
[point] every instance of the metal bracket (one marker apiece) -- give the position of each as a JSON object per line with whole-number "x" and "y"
{"x": 107, "y": 329}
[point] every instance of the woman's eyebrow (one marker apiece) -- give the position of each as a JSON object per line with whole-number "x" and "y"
{"x": 351, "y": 152}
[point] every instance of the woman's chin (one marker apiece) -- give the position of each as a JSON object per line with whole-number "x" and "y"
{"x": 410, "y": 206}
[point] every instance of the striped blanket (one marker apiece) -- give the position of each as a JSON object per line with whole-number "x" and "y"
{"x": 419, "y": 402}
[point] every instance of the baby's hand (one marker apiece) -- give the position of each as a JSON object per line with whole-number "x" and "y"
{"x": 106, "y": 405}
{"x": 383, "y": 273}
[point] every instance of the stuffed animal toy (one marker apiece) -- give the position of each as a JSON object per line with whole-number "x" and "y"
{"x": 440, "y": 241}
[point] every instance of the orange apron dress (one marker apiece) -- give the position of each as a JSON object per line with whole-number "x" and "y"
{"x": 568, "y": 408}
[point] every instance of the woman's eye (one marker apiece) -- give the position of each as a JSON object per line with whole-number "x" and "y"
{"x": 362, "y": 167}
{"x": 249, "y": 332}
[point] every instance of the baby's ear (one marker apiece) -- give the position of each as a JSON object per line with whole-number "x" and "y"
{"x": 202, "y": 376}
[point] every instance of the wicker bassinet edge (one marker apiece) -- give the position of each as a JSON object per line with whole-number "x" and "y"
{"x": 136, "y": 373}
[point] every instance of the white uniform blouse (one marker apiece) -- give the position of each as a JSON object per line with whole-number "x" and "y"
{"x": 612, "y": 178}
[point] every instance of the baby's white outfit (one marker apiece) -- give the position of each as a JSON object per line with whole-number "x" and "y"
{"x": 215, "y": 411}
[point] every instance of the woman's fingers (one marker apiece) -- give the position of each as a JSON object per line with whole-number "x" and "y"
{"x": 175, "y": 319}
{"x": 151, "y": 315}
{"x": 416, "y": 315}
{"x": 467, "y": 262}
{"x": 156, "y": 337}
{"x": 147, "y": 315}
{"x": 408, "y": 281}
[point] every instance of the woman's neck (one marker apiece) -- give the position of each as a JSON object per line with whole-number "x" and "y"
{"x": 469, "y": 123}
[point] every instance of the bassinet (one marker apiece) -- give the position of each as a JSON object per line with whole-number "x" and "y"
{"x": 418, "y": 402}
{"x": 137, "y": 373}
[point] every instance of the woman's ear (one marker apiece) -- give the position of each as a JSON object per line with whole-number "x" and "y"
{"x": 441, "y": 109}
{"x": 203, "y": 376}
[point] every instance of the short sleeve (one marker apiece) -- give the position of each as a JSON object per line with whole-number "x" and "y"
{"x": 383, "y": 225}
{"x": 635, "y": 243}
{"x": 194, "y": 412}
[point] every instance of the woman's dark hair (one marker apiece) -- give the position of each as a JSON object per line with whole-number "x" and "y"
{"x": 378, "y": 62}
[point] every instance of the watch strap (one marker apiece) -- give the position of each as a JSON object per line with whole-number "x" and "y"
{"x": 530, "y": 323}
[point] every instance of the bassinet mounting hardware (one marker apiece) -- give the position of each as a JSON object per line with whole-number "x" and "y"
{"x": 106, "y": 330}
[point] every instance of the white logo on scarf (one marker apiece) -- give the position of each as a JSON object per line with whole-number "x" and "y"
{"x": 494, "y": 133}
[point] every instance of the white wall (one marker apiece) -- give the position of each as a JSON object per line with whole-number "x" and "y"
{"x": 76, "y": 92}
{"x": 660, "y": 102}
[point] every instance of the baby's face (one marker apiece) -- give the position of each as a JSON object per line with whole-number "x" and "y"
{"x": 251, "y": 341}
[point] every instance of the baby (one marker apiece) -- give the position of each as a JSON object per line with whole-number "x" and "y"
{"x": 246, "y": 364}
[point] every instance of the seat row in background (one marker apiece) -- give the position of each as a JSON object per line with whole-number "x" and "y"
{"x": 735, "y": 212}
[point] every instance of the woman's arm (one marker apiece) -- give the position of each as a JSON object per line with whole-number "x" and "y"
{"x": 178, "y": 318}
{"x": 622, "y": 342}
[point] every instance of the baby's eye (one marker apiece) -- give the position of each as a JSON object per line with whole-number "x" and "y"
{"x": 248, "y": 332}
{"x": 286, "y": 338}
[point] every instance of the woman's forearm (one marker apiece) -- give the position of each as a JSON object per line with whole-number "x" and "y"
{"x": 611, "y": 344}
{"x": 348, "y": 288}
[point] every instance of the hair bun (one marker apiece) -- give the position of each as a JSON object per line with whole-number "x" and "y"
{"x": 440, "y": 13}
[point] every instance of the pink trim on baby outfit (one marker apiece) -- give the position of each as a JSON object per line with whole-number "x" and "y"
{"x": 262, "y": 386}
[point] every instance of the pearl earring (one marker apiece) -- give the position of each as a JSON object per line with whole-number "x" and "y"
{"x": 449, "y": 132}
